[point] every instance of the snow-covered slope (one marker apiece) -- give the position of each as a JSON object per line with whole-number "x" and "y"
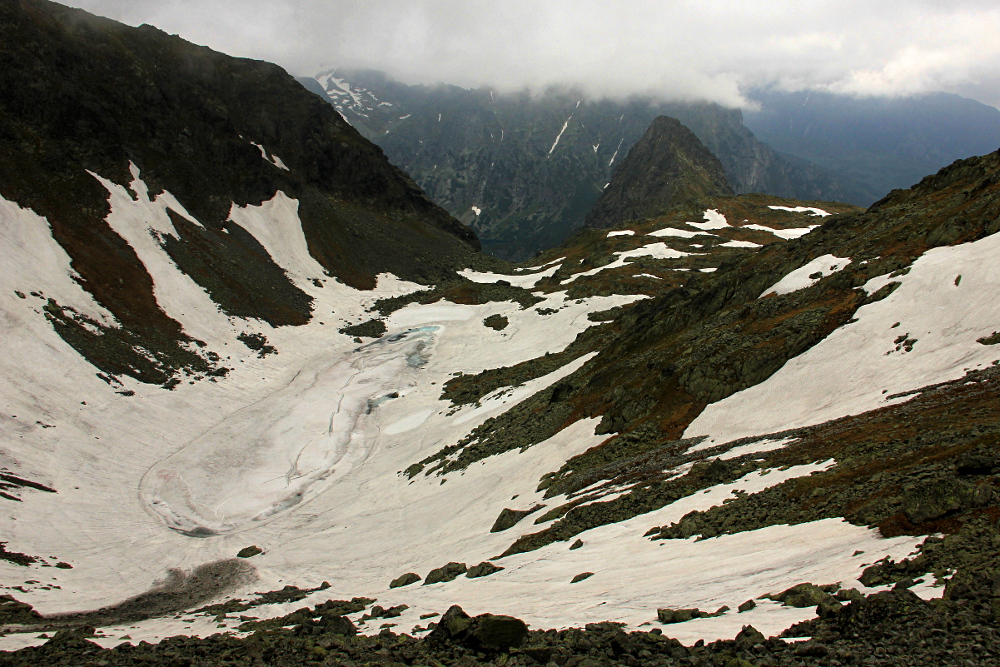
{"x": 302, "y": 454}
{"x": 754, "y": 410}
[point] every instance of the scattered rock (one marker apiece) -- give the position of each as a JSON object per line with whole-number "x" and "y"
{"x": 803, "y": 595}
{"x": 676, "y": 615}
{"x": 499, "y": 633}
{"x": 580, "y": 577}
{"x": 378, "y": 611}
{"x": 749, "y": 636}
{"x": 682, "y": 615}
{"x": 445, "y": 573}
{"x": 936, "y": 499}
{"x": 487, "y": 632}
{"x": 498, "y": 322}
{"x": 249, "y": 552}
{"x": 15, "y": 611}
{"x": 576, "y": 545}
{"x": 484, "y": 569}
{"x": 404, "y": 580}
{"x": 509, "y": 518}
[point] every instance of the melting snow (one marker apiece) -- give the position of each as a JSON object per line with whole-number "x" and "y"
{"x": 273, "y": 159}
{"x": 559, "y": 136}
{"x": 527, "y": 280}
{"x": 855, "y": 368}
{"x": 275, "y": 224}
{"x": 680, "y": 233}
{"x": 477, "y": 210}
{"x": 654, "y": 250}
{"x": 816, "y": 212}
{"x": 623, "y": 232}
{"x": 713, "y": 220}
{"x": 282, "y": 451}
{"x": 739, "y": 244}
{"x": 612, "y": 160}
{"x": 794, "y": 233}
{"x": 806, "y": 276}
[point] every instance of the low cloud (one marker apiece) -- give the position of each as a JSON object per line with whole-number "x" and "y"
{"x": 706, "y": 49}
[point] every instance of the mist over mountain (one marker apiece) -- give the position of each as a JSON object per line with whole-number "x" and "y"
{"x": 524, "y": 170}
{"x": 883, "y": 142}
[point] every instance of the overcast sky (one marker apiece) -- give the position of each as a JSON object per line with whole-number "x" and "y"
{"x": 704, "y": 49}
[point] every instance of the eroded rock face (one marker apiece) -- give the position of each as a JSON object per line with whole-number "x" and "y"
{"x": 668, "y": 166}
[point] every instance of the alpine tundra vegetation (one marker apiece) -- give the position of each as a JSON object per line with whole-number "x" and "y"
{"x": 265, "y": 402}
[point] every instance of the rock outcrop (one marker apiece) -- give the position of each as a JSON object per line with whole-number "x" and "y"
{"x": 668, "y": 166}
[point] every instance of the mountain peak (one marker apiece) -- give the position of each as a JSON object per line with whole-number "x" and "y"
{"x": 667, "y": 166}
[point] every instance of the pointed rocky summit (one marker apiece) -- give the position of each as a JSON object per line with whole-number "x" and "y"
{"x": 669, "y": 165}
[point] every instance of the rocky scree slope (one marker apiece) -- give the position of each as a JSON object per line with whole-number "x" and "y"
{"x": 524, "y": 170}
{"x": 667, "y": 166}
{"x": 86, "y": 96}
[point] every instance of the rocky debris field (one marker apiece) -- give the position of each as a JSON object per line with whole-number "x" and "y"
{"x": 893, "y": 627}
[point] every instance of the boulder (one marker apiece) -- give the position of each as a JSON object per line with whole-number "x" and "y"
{"x": 677, "y": 615}
{"x": 446, "y": 573}
{"x": 802, "y": 595}
{"x": 486, "y": 632}
{"x": 749, "y": 636}
{"x": 498, "y": 633}
{"x": 404, "y": 580}
{"x": 484, "y": 569}
{"x": 936, "y": 499}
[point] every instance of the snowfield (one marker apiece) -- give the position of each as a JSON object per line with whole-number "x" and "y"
{"x": 301, "y": 453}
{"x": 924, "y": 333}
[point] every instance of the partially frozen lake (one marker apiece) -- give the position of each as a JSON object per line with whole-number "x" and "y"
{"x": 284, "y": 449}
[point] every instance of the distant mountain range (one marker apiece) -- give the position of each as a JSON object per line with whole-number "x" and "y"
{"x": 885, "y": 143}
{"x": 525, "y": 170}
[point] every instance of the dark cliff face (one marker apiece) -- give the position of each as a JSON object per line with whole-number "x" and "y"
{"x": 497, "y": 153}
{"x": 83, "y": 95}
{"x": 668, "y": 166}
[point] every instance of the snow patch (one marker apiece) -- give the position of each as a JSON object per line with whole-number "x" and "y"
{"x": 276, "y": 225}
{"x": 559, "y": 136}
{"x": 815, "y": 212}
{"x": 653, "y": 250}
{"x": 679, "y": 233}
{"x": 793, "y": 233}
{"x": 860, "y": 366}
{"x": 808, "y": 275}
{"x": 526, "y": 280}
{"x": 713, "y": 220}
